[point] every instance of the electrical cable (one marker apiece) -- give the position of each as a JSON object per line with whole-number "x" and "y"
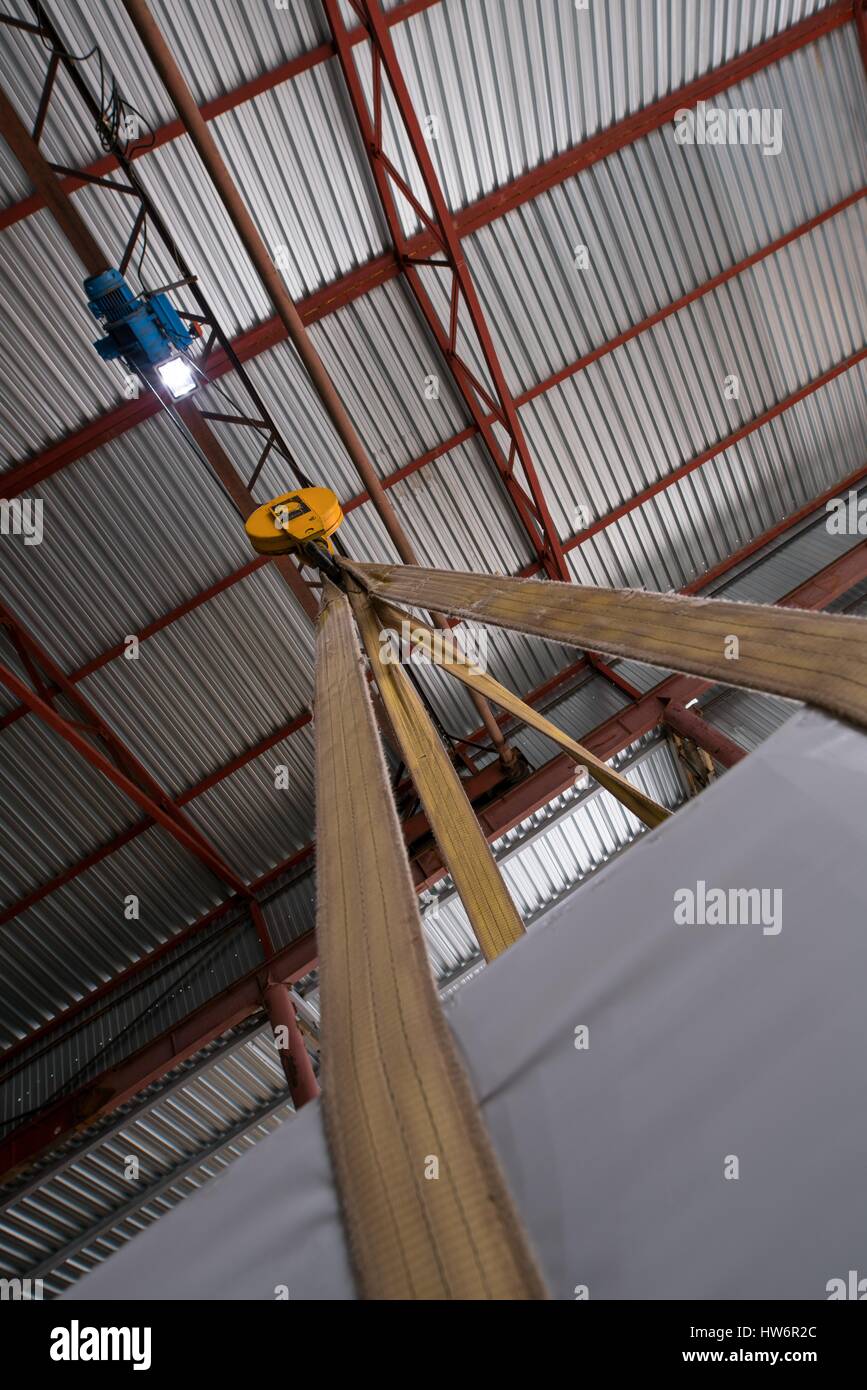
{"x": 110, "y": 114}
{"x": 112, "y": 124}
{"x": 303, "y": 480}
{"x": 113, "y": 1003}
{"x": 473, "y": 743}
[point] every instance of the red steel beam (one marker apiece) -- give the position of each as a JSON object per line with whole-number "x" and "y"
{"x": 218, "y": 106}
{"x": 720, "y": 447}
{"x": 343, "y": 291}
{"x": 691, "y": 725}
{"x": 190, "y": 839}
{"x": 832, "y": 582}
{"x": 625, "y": 132}
{"x": 606, "y": 740}
{"x": 483, "y": 784}
{"x": 570, "y": 672}
{"x": 517, "y": 191}
{"x": 149, "y": 630}
{"x": 131, "y": 832}
{"x": 859, "y": 14}
{"x": 182, "y": 1040}
{"x": 112, "y": 1087}
{"x": 121, "y": 418}
{"x": 448, "y": 255}
{"x": 147, "y": 794}
{"x": 127, "y": 773}
{"x": 835, "y": 579}
{"x": 851, "y": 481}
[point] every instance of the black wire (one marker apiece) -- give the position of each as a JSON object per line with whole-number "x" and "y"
{"x": 143, "y": 252}
{"x": 462, "y": 738}
{"x": 219, "y": 936}
{"x": 120, "y": 998}
{"x": 100, "y": 1057}
{"x": 204, "y": 942}
{"x": 113, "y": 112}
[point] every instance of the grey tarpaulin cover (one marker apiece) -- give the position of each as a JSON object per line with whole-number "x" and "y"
{"x": 705, "y": 1042}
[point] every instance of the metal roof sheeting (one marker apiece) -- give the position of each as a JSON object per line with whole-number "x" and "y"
{"x": 130, "y": 532}
{"x": 80, "y": 1206}
{"x": 513, "y": 83}
{"x": 139, "y": 526}
{"x": 678, "y": 535}
{"x": 167, "y": 705}
{"x": 224, "y": 49}
{"x": 748, "y": 719}
{"x": 203, "y": 1117}
{"x": 553, "y": 851}
{"x": 79, "y": 936}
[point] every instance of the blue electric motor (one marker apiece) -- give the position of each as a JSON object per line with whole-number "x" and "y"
{"x": 145, "y": 332}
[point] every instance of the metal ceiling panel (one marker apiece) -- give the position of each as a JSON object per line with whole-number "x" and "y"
{"x": 130, "y": 532}
{"x": 80, "y": 935}
{"x": 140, "y": 527}
{"x": 682, "y": 532}
{"x": 213, "y": 684}
{"x": 512, "y": 84}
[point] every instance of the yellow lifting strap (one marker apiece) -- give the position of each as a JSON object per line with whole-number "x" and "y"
{"x": 819, "y": 658}
{"x": 445, "y": 654}
{"x": 427, "y": 1211}
{"x": 465, "y": 851}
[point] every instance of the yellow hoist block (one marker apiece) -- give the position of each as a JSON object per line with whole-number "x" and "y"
{"x": 294, "y": 518}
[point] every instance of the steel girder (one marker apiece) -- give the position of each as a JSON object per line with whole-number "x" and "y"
{"x": 488, "y": 407}
{"x": 349, "y": 287}
{"x": 507, "y": 810}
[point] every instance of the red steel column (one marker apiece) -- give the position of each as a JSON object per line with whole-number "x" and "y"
{"x": 529, "y": 503}
{"x": 297, "y": 1065}
{"x": 859, "y": 15}
{"x": 713, "y": 741}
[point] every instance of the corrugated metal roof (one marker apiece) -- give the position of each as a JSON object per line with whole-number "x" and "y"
{"x": 747, "y": 718}
{"x": 659, "y": 219}
{"x": 806, "y": 551}
{"x": 197, "y": 1123}
{"x": 854, "y": 603}
{"x": 519, "y": 106}
{"x": 315, "y": 199}
{"x": 151, "y": 1156}
{"x": 139, "y": 526}
{"x": 512, "y": 85}
{"x": 221, "y": 49}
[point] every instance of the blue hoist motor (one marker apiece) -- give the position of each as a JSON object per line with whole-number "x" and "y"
{"x": 146, "y": 331}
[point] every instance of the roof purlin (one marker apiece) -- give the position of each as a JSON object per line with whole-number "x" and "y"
{"x": 470, "y": 430}
{"x": 532, "y": 510}
{"x": 181, "y": 1040}
{"x": 773, "y": 533}
{"x": 488, "y": 209}
{"x": 218, "y": 106}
